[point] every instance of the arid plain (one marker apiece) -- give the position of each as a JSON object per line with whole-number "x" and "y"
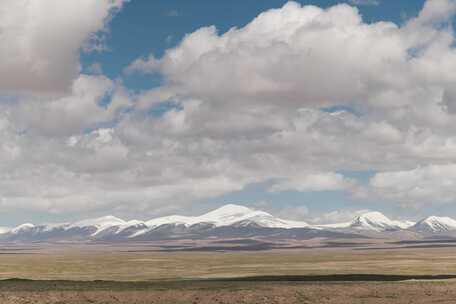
{"x": 149, "y": 273}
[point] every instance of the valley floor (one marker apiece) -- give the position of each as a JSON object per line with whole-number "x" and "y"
{"x": 144, "y": 262}
{"x": 141, "y": 273}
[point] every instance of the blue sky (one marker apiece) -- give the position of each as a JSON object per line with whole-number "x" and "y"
{"x": 242, "y": 116}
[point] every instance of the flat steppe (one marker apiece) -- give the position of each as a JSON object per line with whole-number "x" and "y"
{"x": 139, "y": 273}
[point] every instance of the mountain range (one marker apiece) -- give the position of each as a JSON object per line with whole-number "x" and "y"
{"x": 229, "y": 221}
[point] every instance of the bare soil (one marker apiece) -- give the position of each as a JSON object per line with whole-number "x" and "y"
{"x": 135, "y": 274}
{"x": 262, "y": 293}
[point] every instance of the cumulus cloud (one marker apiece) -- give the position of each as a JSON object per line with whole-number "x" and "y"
{"x": 40, "y": 41}
{"x": 285, "y": 55}
{"x": 427, "y": 184}
{"x": 255, "y": 104}
{"x": 148, "y": 65}
{"x": 82, "y": 109}
{"x": 299, "y": 212}
{"x": 291, "y": 58}
{"x": 314, "y": 182}
{"x": 436, "y": 11}
{"x": 261, "y": 87}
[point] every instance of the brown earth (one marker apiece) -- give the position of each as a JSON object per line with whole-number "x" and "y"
{"x": 133, "y": 262}
{"x": 136, "y": 273}
{"x": 261, "y": 293}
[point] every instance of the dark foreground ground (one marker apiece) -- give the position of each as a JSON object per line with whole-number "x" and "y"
{"x": 254, "y": 290}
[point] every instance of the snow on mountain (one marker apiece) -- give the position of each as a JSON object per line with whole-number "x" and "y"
{"x": 228, "y": 215}
{"x": 101, "y": 223}
{"x": 131, "y": 224}
{"x": 111, "y": 224}
{"x": 224, "y": 220}
{"x": 104, "y": 221}
{"x": 345, "y": 225}
{"x": 376, "y": 221}
{"x": 435, "y": 224}
{"x": 373, "y": 221}
{"x": 22, "y": 228}
{"x": 231, "y": 214}
{"x": 172, "y": 219}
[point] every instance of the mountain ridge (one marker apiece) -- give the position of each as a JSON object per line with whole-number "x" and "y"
{"x": 435, "y": 224}
{"x": 228, "y": 220}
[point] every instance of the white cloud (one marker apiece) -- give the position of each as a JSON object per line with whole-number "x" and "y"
{"x": 431, "y": 184}
{"x": 40, "y": 41}
{"x": 437, "y": 11}
{"x": 286, "y": 63}
{"x": 74, "y": 113}
{"x": 300, "y": 212}
{"x": 239, "y": 108}
{"x": 285, "y": 55}
{"x": 314, "y": 182}
{"x": 148, "y": 65}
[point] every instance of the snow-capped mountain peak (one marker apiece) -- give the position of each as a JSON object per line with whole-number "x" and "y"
{"x": 373, "y": 217}
{"x": 101, "y": 223}
{"x": 218, "y": 217}
{"x": 226, "y": 215}
{"x": 231, "y": 214}
{"x": 172, "y": 219}
{"x": 229, "y": 210}
{"x": 215, "y": 223}
{"x": 435, "y": 224}
{"x": 377, "y": 221}
{"x": 22, "y": 228}
{"x": 370, "y": 221}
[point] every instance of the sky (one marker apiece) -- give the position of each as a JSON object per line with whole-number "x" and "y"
{"x": 311, "y": 110}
